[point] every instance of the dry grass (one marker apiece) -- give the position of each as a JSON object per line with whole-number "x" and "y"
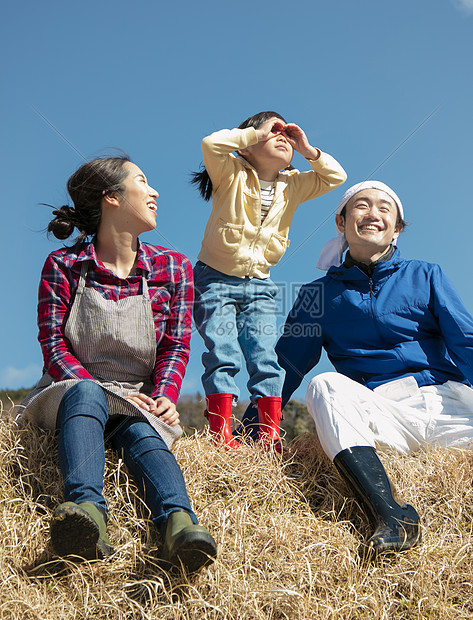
{"x": 288, "y": 540}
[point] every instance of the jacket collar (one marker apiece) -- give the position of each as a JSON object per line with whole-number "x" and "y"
{"x": 382, "y": 270}
{"x": 368, "y": 269}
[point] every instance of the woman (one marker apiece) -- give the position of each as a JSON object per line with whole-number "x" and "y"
{"x": 114, "y": 320}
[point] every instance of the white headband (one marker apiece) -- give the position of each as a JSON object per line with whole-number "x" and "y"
{"x": 332, "y": 252}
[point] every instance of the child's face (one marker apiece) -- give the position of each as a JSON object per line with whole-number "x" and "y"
{"x": 274, "y": 150}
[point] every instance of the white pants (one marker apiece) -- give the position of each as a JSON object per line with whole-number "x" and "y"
{"x": 398, "y": 414}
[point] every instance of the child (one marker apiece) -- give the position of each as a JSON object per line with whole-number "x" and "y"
{"x": 252, "y": 207}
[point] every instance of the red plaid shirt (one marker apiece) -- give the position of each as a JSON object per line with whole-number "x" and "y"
{"x": 170, "y": 284}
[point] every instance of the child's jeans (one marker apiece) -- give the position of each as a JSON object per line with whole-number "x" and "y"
{"x": 237, "y": 315}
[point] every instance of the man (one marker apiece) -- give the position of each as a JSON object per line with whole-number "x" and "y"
{"x": 402, "y": 344}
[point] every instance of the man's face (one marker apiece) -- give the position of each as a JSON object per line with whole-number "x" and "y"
{"x": 370, "y": 222}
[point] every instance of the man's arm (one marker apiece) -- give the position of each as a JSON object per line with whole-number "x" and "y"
{"x": 300, "y": 345}
{"x": 455, "y": 322}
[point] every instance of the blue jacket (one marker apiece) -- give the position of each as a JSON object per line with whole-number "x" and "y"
{"x": 406, "y": 320}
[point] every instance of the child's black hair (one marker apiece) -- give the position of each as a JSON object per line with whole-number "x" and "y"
{"x": 202, "y": 179}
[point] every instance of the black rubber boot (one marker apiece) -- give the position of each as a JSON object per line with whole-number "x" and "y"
{"x": 396, "y": 524}
{"x": 186, "y": 545}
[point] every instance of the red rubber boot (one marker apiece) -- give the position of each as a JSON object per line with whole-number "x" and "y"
{"x": 219, "y": 412}
{"x": 269, "y": 417}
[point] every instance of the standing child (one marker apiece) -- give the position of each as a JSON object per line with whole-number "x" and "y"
{"x": 253, "y": 204}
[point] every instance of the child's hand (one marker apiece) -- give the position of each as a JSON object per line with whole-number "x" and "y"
{"x": 298, "y": 140}
{"x": 277, "y": 127}
{"x": 293, "y": 134}
{"x": 269, "y": 129}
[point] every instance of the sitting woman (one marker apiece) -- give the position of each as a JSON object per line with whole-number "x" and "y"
{"x": 114, "y": 320}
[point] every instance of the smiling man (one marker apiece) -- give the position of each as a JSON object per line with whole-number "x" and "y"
{"x": 401, "y": 341}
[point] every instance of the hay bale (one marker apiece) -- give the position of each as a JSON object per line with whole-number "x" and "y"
{"x": 288, "y": 539}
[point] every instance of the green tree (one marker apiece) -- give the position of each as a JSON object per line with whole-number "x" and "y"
{"x": 296, "y": 420}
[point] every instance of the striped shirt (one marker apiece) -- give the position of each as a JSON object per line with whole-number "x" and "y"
{"x": 267, "y": 195}
{"x": 170, "y": 285}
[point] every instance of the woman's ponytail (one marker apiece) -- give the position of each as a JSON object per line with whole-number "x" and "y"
{"x": 62, "y": 226}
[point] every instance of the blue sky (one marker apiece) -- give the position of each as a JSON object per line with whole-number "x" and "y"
{"x": 385, "y": 87}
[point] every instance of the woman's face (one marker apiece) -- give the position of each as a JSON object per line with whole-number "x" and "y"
{"x": 138, "y": 201}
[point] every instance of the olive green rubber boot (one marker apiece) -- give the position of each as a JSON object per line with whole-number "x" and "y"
{"x": 186, "y": 545}
{"x": 81, "y": 530}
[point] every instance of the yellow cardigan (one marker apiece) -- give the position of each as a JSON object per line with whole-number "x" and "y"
{"x": 235, "y": 241}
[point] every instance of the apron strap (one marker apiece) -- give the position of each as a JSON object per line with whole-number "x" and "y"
{"x": 83, "y": 275}
{"x": 144, "y": 289}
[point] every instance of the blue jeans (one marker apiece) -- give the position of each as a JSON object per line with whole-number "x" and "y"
{"x": 82, "y": 423}
{"x": 233, "y": 316}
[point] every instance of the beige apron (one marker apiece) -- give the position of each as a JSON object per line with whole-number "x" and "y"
{"x": 115, "y": 341}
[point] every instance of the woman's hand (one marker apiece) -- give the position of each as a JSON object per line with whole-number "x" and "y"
{"x": 166, "y": 411}
{"x": 141, "y": 400}
{"x": 161, "y": 407}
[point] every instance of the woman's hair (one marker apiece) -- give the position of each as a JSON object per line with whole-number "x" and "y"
{"x": 87, "y": 186}
{"x": 202, "y": 179}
